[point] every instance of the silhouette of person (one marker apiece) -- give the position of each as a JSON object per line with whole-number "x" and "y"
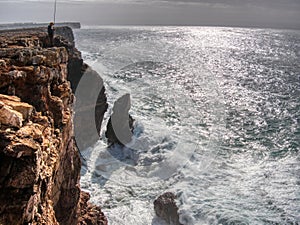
{"x": 51, "y": 32}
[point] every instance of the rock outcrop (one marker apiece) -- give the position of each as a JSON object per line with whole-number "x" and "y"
{"x": 90, "y": 107}
{"x": 39, "y": 161}
{"x": 120, "y": 124}
{"x": 165, "y": 208}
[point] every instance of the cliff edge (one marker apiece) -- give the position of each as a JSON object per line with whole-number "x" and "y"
{"x": 39, "y": 160}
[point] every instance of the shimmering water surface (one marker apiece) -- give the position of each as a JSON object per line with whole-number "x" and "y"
{"x": 217, "y": 121}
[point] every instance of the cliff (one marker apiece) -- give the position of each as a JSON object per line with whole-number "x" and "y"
{"x": 39, "y": 160}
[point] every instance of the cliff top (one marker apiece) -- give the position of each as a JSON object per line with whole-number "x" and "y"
{"x": 64, "y": 31}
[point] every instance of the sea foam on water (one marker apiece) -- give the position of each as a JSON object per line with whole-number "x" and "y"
{"x": 217, "y": 123}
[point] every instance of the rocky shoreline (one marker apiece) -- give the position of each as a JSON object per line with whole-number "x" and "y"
{"x": 42, "y": 130}
{"x": 39, "y": 160}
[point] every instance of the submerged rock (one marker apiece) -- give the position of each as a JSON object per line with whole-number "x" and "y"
{"x": 120, "y": 125}
{"x": 165, "y": 208}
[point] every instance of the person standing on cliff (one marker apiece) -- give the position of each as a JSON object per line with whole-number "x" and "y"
{"x": 51, "y": 32}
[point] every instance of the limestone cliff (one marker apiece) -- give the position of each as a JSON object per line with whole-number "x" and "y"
{"x": 39, "y": 161}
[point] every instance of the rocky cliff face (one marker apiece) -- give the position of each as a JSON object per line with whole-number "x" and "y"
{"x": 39, "y": 161}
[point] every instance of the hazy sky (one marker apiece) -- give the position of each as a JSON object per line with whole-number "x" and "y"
{"x": 263, "y": 13}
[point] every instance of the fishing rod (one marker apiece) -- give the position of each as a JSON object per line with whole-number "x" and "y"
{"x": 54, "y": 12}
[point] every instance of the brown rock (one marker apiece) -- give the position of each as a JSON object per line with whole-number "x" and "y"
{"x": 165, "y": 208}
{"x": 2, "y": 63}
{"x": 54, "y": 56}
{"x": 24, "y": 56}
{"x": 90, "y": 214}
{"x": 15, "y": 74}
{"x": 10, "y": 117}
{"x": 38, "y": 60}
{"x": 9, "y": 98}
{"x": 39, "y": 161}
{"x": 21, "y": 148}
{"x": 14, "y": 102}
{"x": 32, "y": 130}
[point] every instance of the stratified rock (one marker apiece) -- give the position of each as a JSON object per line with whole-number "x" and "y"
{"x": 16, "y": 104}
{"x": 120, "y": 124}
{"x": 10, "y": 117}
{"x": 39, "y": 161}
{"x": 165, "y": 208}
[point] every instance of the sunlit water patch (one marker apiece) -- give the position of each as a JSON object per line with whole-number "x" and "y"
{"x": 217, "y": 121}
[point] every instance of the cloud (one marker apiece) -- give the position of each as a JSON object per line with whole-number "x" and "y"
{"x": 279, "y": 4}
{"x": 262, "y": 13}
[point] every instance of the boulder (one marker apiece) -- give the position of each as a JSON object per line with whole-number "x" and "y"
{"x": 165, "y": 208}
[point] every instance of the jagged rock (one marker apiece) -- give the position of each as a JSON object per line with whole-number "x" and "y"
{"x": 33, "y": 130}
{"x": 2, "y": 63}
{"x": 14, "y": 102}
{"x": 39, "y": 161}
{"x": 165, "y": 208}
{"x": 90, "y": 107}
{"x": 38, "y": 60}
{"x": 90, "y": 214}
{"x": 120, "y": 125}
{"x": 55, "y": 56}
{"x": 10, "y": 117}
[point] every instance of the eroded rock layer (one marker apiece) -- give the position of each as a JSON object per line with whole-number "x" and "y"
{"x": 39, "y": 161}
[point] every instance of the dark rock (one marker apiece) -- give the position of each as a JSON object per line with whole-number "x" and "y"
{"x": 91, "y": 214}
{"x": 90, "y": 108}
{"x": 120, "y": 125}
{"x": 165, "y": 208}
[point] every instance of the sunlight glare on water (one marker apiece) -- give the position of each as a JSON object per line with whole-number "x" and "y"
{"x": 217, "y": 122}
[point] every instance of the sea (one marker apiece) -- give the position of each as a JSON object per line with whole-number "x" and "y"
{"x": 217, "y": 122}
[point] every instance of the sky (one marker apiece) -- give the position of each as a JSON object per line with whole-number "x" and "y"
{"x": 245, "y": 13}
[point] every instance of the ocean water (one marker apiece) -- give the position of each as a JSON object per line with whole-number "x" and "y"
{"x": 217, "y": 121}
